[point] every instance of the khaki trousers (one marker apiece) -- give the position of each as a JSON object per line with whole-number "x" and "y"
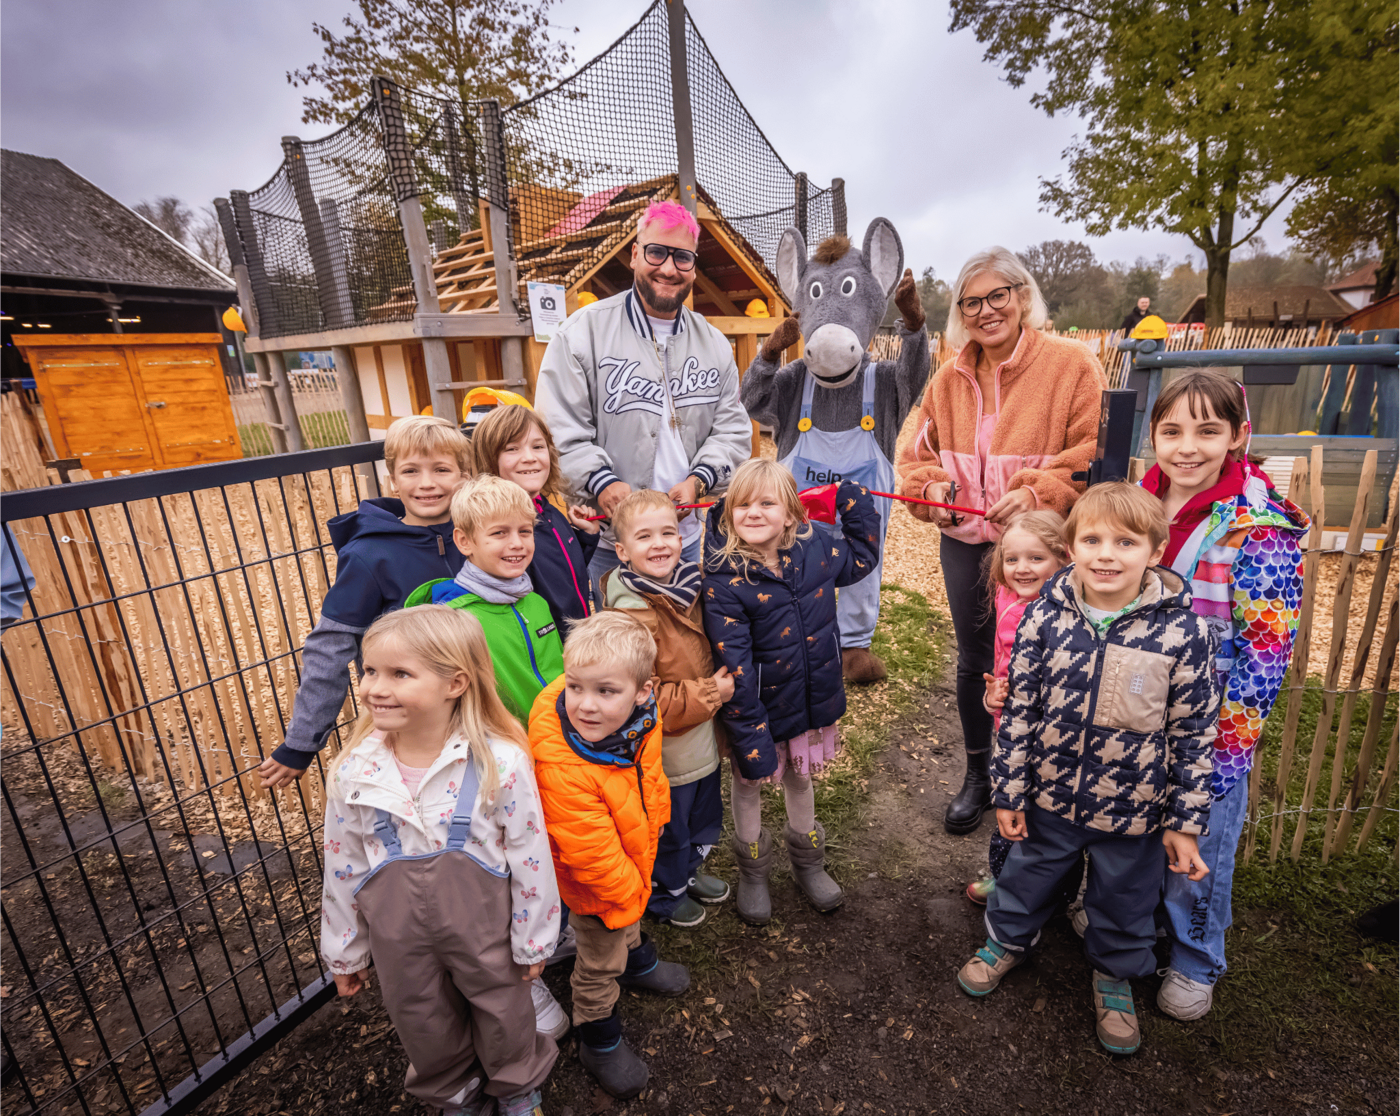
{"x": 439, "y": 931}
{"x": 602, "y": 958}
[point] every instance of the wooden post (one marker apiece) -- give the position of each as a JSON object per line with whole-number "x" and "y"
{"x": 282, "y": 385}
{"x": 462, "y": 199}
{"x": 272, "y": 400}
{"x": 680, "y": 104}
{"x": 349, "y": 377}
{"x": 1309, "y": 497}
{"x": 334, "y": 302}
{"x": 260, "y": 300}
{"x": 399, "y": 152}
{"x": 1382, "y": 791}
{"x": 838, "y": 206}
{"x": 799, "y": 209}
{"x": 339, "y": 277}
{"x": 1346, "y": 579}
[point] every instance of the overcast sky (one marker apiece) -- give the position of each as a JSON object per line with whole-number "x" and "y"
{"x": 190, "y": 97}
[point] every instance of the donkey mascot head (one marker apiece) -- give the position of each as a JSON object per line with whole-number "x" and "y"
{"x": 840, "y": 295}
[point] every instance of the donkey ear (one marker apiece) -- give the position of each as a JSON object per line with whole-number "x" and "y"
{"x": 792, "y": 262}
{"x": 884, "y": 254}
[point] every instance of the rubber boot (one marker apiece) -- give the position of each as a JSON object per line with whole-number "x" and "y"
{"x": 646, "y": 972}
{"x": 755, "y": 860}
{"x": 606, "y": 1055}
{"x": 966, "y": 810}
{"x": 807, "y": 854}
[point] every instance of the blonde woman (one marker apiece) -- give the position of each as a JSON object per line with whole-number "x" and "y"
{"x": 1002, "y": 426}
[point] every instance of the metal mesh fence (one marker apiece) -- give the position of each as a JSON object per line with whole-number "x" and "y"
{"x": 160, "y": 910}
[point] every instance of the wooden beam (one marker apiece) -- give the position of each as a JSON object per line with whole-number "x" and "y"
{"x": 736, "y": 252}
{"x": 733, "y": 327}
{"x": 717, "y": 296}
{"x": 112, "y": 340}
{"x": 390, "y": 333}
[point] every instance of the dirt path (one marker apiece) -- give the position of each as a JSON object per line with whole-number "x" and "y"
{"x": 857, "y": 1012}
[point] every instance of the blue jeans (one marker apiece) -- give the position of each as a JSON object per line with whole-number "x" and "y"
{"x": 1198, "y": 914}
{"x": 697, "y": 816}
{"x": 1125, "y": 887}
{"x": 605, "y": 559}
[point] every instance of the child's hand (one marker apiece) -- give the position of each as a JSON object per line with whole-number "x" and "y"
{"x": 347, "y": 984}
{"x": 579, "y": 518}
{"x": 724, "y": 682}
{"x": 1012, "y": 824}
{"x": 997, "y": 691}
{"x": 275, "y": 774}
{"x": 533, "y": 972}
{"x": 1184, "y": 855}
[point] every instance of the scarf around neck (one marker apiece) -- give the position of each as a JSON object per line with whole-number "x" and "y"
{"x": 493, "y": 590}
{"x": 624, "y": 742}
{"x": 681, "y": 589}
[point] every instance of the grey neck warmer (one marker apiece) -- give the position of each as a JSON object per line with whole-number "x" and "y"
{"x": 493, "y": 590}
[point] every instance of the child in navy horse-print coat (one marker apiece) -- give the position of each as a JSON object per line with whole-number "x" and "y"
{"x": 770, "y": 611}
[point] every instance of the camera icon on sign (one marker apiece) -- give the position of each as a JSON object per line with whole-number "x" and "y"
{"x": 546, "y": 302}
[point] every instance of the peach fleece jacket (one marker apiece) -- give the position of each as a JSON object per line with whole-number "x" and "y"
{"x": 1047, "y": 406}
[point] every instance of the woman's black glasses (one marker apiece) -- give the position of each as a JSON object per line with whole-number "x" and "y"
{"x": 655, "y": 254}
{"x": 996, "y": 299}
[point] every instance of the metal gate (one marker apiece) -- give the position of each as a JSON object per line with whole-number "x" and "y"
{"x": 160, "y": 910}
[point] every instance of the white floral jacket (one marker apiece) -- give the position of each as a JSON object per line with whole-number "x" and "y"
{"x": 508, "y": 837}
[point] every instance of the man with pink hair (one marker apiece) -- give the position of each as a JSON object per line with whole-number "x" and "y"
{"x": 641, "y": 391}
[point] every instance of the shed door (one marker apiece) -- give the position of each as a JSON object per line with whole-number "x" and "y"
{"x": 187, "y": 400}
{"x": 94, "y": 409}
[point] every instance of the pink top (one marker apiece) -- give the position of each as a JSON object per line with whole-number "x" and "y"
{"x": 1010, "y": 609}
{"x": 412, "y": 776}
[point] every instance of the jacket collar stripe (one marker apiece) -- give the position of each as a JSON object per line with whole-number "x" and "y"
{"x": 637, "y": 316}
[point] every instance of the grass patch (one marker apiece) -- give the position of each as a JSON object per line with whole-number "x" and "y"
{"x": 319, "y": 430}
{"x": 1299, "y": 972}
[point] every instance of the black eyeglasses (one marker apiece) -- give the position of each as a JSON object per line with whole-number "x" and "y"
{"x": 656, "y": 255}
{"x": 996, "y": 299}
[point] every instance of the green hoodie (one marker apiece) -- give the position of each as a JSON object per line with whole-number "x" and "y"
{"x": 525, "y": 646}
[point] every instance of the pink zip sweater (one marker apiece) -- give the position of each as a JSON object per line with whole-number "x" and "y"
{"x": 1010, "y": 609}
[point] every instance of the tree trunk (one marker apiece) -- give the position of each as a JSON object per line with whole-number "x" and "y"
{"x": 1390, "y": 257}
{"x": 1218, "y": 268}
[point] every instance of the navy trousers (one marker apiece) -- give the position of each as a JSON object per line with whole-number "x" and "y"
{"x": 1125, "y": 886}
{"x": 697, "y": 816}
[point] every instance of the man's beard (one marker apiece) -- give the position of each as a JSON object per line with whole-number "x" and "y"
{"x": 657, "y": 301}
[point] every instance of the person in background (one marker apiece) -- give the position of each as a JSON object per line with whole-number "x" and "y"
{"x": 383, "y": 549}
{"x": 1008, "y": 420}
{"x": 16, "y": 580}
{"x": 1136, "y": 314}
{"x": 642, "y": 392}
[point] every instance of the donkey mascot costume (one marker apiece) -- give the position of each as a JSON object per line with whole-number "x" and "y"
{"x": 847, "y": 429}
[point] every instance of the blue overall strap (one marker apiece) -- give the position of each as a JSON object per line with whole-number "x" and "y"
{"x": 867, "y": 399}
{"x": 387, "y": 831}
{"x": 808, "y": 383}
{"x": 461, "y": 826}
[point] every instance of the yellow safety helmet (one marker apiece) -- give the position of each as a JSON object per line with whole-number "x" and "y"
{"x": 233, "y": 322}
{"x": 586, "y": 298}
{"x": 488, "y": 397}
{"x": 1151, "y": 328}
{"x": 756, "y": 308}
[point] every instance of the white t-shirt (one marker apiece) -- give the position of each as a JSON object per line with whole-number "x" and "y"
{"x": 672, "y": 462}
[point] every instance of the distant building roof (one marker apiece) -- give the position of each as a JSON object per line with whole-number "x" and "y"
{"x": 1362, "y": 279}
{"x": 55, "y": 224}
{"x": 1258, "y": 303}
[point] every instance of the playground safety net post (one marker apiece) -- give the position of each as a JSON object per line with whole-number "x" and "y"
{"x": 161, "y": 912}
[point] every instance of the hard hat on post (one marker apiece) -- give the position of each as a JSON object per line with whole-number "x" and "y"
{"x": 233, "y": 322}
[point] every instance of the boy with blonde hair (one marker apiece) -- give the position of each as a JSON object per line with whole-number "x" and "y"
{"x": 1105, "y": 742}
{"x": 383, "y": 549}
{"x": 596, "y": 738}
{"x": 658, "y": 587}
{"x": 494, "y": 528}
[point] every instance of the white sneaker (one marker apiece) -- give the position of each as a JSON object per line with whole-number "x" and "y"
{"x": 1183, "y": 998}
{"x": 549, "y": 1016}
{"x": 1078, "y": 917}
{"x": 566, "y": 947}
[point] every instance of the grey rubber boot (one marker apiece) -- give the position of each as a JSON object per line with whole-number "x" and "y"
{"x": 755, "y": 862}
{"x": 807, "y": 852}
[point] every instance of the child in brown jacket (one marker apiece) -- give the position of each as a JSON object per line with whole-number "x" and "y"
{"x": 654, "y": 585}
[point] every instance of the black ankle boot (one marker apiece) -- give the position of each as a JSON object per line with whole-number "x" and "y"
{"x": 966, "y": 810}
{"x": 606, "y": 1055}
{"x": 646, "y": 972}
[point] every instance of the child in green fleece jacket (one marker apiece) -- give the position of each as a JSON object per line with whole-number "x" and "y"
{"x": 494, "y": 526}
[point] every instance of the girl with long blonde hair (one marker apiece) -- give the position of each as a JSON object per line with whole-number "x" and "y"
{"x": 438, "y": 867}
{"x": 770, "y": 611}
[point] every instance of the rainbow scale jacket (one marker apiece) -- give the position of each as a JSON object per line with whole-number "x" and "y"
{"x": 1244, "y": 564}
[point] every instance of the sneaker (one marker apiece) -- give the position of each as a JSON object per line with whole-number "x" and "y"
{"x": 1078, "y": 917}
{"x": 988, "y": 965}
{"x": 688, "y": 913}
{"x": 707, "y": 889}
{"x": 980, "y": 890}
{"x": 1118, "y": 1025}
{"x": 526, "y": 1104}
{"x": 565, "y": 948}
{"x": 549, "y": 1016}
{"x": 1183, "y": 998}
